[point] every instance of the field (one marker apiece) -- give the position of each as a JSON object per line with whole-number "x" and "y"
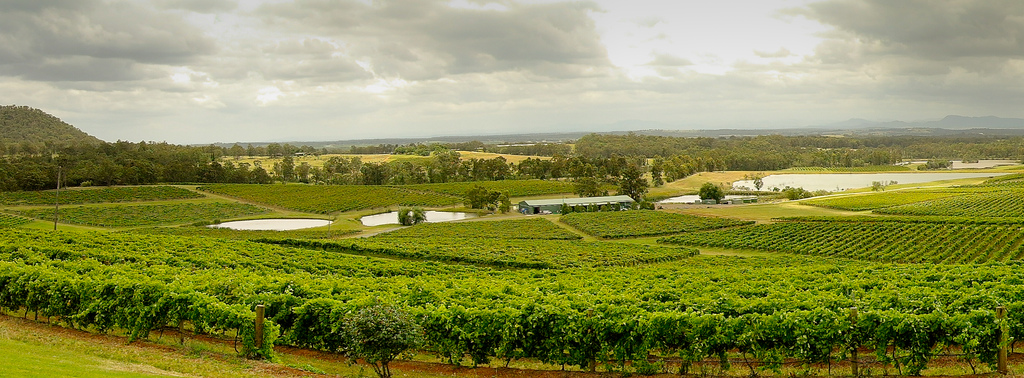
{"x": 877, "y": 200}
{"x": 534, "y": 228}
{"x": 527, "y": 291}
{"x": 876, "y": 241}
{"x": 865, "y": 169}
{"x": 515, "y": 188}
{"x": 627, "y": 224}
{"x": 326, "y": 199}
{"x": 995, "y": 204}
{"x": 98, "y": 195}
{"x": 146, "y": 215}
{"x": 318, "y": 161}
{"x": 505, "y": 252}
{"x": 480, "y": 313}
{"x": 8, "y": 220}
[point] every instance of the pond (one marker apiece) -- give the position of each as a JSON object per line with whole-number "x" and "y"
{"x": 273, "y": 224}
{"x": 842, "y": 181}
{"x": 432, "y": 216}
{"x": 691, "y": 198}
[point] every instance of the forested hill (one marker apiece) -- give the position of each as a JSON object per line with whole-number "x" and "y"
{"x": 32, "y": 127}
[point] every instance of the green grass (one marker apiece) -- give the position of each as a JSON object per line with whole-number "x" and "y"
{"x": 877, "y": 200}
{"x": 31, "y": 349}
{"x": 764, "y": 212}
{"x": 627, "y": 224}
{"x": 326, "y": 199}
{"x": 532, "y": 228}
{"x": 146, "y": 215}
{"x": 23, "y": 359}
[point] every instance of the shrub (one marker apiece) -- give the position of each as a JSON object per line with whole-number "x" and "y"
{"x": 378, "y": 334}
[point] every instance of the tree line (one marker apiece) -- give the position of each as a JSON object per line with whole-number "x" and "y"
{"x": 597, "y": 161}
{"x": 772, "y": 152}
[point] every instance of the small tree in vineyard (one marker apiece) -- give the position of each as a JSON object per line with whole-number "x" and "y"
{"x": 378, "y": 334}
{"x": 411, "y": 216}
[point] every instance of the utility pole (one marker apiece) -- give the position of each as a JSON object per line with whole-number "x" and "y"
{"x": 56, "y": 202}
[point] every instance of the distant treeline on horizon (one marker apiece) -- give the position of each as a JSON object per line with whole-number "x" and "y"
{"x": 28, "y": 166}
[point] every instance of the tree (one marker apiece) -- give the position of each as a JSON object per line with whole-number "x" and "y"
{"x": 588, "y": 187}
{"x": 479, "y": 197}
{"x": 632, "y": 183}
{"x": 274, "y": 149}
{"x": 657, "y": 168}
{"x": 935, "y": 164}
{"x": 411, "y": 216}
{"x": 504, "y": 203}
{"x": 796, "y": 193}
{"x": 287, "y": 171}
{"x": 711, "y": 191}
{"x": 378, "y": 334}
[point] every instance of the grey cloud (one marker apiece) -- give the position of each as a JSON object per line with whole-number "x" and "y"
{"x": 428, "y": 39}
{"x": 933, "y": 29}
{"x": 38, "y": 5}
{"x": 668, "y": 60}
{"x": 77, "y": 69}
{"x": 311, "y": 60}
{"x": 949, "y": 52}
{"x": 50, "y": 40}
{"x": 198, "y": 6}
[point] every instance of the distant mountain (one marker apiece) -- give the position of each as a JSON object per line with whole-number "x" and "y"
{"x": 960, "y": 122}
{"x": 952, "y": 125}
{"x": 21, "y": 124}
{"x": 950, "y": 122}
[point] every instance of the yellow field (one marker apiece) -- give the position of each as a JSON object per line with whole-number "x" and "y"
{"x": 268, "y": 162}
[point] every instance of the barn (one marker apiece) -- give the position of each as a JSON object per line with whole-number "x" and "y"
{"x": 554, "y": 206}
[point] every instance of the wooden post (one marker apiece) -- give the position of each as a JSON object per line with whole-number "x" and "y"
{"x": 1003, "y": 338}
{"x": 593, "y": 359}
{"x": 854, "y": 359}
{"x": 259, "y": 326}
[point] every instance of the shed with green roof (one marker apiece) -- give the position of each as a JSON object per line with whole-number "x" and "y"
{"x": 554, "y": 206}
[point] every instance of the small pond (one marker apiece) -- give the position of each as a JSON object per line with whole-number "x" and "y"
{"x": 273, "y": 224}
{"x": 843, "y": 181}
{"x": 691, "y": 198}
{"x": 432, "y": 216}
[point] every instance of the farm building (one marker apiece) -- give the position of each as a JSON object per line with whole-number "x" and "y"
{"x": 554, "y": 206}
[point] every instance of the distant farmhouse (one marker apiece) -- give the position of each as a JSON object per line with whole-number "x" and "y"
{"x": 554, "y": 206}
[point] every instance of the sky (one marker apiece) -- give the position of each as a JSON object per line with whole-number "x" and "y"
{"x": 204, "y": 71}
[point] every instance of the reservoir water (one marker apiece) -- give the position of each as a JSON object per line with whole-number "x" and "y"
{"x": 843, "y": 181}
{"x": 273, "y": 224}
{"x": 432, "y": 216}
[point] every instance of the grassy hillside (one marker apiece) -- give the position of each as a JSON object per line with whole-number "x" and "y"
{"x": 22, "y": 124}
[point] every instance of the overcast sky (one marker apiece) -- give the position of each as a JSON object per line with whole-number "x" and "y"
{"x": 202, "y": 71}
